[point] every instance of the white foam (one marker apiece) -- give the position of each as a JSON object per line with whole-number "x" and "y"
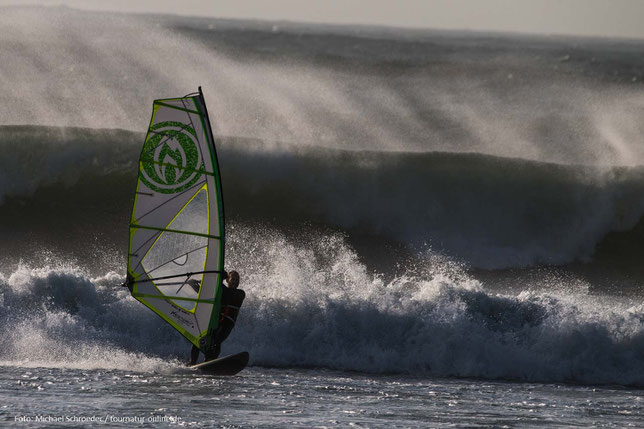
{"x": 311, "y": 302}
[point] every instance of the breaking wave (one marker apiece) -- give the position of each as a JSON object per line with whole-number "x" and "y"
{"x": 311, "y": 303}
{"x": 489, "y": 212}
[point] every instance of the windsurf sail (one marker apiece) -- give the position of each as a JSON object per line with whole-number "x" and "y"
{"x": 176, "y": 248}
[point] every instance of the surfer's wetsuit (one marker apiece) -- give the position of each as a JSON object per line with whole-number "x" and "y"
{"x": 231, "y": 301}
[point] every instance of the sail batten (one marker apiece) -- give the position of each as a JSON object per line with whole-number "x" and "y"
{"x": 176, "y": 248}
{"x": 174, "y": 230}
{"x": 159, "y": 103}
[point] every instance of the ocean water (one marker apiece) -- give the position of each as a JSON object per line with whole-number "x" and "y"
{"x": 432, "y": 228}
{"x": 302, "y": 398}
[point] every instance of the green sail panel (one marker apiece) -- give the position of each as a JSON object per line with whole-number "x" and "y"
{"x": 176, "y": 248}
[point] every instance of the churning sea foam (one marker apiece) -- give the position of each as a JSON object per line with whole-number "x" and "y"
{"x": 312, "y": 303}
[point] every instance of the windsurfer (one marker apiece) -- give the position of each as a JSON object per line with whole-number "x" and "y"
{"x": 231, "y": 301}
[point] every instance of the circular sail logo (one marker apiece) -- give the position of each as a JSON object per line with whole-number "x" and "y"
{"x": 171, "y": 161}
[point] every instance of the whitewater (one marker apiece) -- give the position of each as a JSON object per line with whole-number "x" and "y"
{"x": 433, "y": 229}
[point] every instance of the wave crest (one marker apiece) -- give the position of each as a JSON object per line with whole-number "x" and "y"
{"x": 487, "y": 211}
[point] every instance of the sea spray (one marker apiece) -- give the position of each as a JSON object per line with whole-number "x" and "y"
{"x": 410, "y": 91}
{"x": 312, "y": 303}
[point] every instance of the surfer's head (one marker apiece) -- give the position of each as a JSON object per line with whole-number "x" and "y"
{"x": 233, "y": 279}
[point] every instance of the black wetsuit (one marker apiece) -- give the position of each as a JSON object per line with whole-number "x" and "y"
{"x": 231, "y": 301}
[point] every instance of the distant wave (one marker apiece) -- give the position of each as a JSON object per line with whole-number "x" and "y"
{"x": 403, "y": 90}
{"x": 490, "y": 212}
{"x": 316, "y": 305}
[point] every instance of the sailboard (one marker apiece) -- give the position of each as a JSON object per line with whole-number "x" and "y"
{"x": 177, "y": 233}
{"x": 227, "y": 365}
